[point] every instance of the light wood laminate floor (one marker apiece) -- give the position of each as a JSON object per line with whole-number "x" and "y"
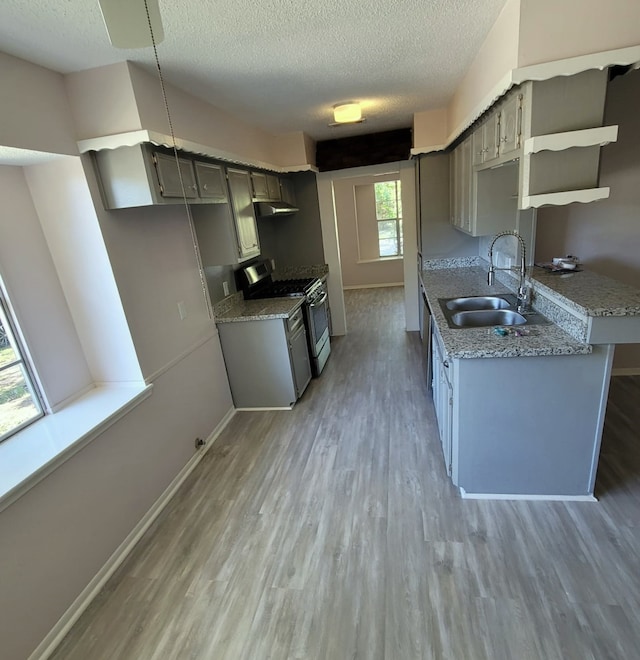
{"x": 332, "y": 532}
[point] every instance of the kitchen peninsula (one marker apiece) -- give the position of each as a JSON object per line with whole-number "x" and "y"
{"x": 521, "y": 416}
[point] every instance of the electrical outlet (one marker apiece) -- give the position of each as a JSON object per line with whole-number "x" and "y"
{"x": 225, "y": 288}
{"x": 182, "y": 310}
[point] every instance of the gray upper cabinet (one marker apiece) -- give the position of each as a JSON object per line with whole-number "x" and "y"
{"x": 172, "y": 180}
{"x": 259, "y": 186}
{"x": 227, "y": 233}
{"x": 510, "y": 125}
{"x": 211, "y": 181}
{"x": 145, "y": 175}
{"x": 273, "y": 187}
{"x": 129, "y": 177}
{"x": 265, "y": 187}
{"x": 551, "y": 131}
{"x": 485, "y": 139}
{"x": 243, "y": 213}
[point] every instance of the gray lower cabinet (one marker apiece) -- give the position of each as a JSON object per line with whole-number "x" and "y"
{"x": 443, "y": 402}
{"x": 522, "y": 426}
{"x": 267, "y": 361}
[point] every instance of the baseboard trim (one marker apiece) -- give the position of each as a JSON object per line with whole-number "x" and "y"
{"x": 372, "y": 286}
{"x": 265, "y": 408}
{"x": 53, "y": 638}
{"x": 519, "y": 496}
{"x": 626, "y": 371}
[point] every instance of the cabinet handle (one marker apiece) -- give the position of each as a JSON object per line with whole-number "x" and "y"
{"x": 519, "y": 121}
{"x": 205, "y": 187}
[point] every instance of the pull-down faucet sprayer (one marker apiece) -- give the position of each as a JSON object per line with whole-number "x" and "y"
{"x": 523, "y": 290}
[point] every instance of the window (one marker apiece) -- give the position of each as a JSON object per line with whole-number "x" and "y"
{"x": 389, "y": 217}
{"x": 19, "y": 401}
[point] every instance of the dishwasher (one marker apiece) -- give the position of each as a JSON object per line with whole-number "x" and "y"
{"x": 425, "y": 327}
{"x": 298, "y": 352}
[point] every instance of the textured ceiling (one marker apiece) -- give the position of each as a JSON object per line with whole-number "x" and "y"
{"x": 278, "y": 64}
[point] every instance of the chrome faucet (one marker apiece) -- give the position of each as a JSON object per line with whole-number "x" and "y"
{"x": 523, "y": 289}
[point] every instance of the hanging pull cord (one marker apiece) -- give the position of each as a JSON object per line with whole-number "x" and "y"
{"x": 194, "y": 240}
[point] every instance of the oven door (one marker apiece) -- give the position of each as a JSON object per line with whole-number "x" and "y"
{"x": 317, "y": 313}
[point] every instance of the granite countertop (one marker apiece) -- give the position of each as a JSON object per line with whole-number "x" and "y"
{"x": 482, "y": 342}
{"x": 588, "y": 293}
{"x": 260, "y": 310}
{"x": 315, "y": 270}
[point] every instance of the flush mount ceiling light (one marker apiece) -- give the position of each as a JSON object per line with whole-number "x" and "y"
{"x": 347, "y": 113}
{"x": 132, "y": 23}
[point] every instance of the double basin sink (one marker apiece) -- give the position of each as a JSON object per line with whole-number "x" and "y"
{"x": 486, "y": 311}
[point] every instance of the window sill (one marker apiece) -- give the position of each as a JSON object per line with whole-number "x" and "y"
{"x": 33, "y": 453}
{"x": 379, "y": 259}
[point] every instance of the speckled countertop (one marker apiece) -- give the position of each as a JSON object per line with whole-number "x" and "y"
{"x": 315, "y": 270}
{"x": 482, "y": 342}
{"x": 260, "y": 310}
{"x": 588, "y": 293}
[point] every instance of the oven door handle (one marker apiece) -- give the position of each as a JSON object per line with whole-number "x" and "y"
{"x": 321, "y": 301}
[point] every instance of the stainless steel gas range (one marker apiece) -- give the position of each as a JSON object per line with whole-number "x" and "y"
{"x": 256, "y": 281}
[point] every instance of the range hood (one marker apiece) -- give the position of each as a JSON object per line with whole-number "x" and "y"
{"x": 266, "y": 209}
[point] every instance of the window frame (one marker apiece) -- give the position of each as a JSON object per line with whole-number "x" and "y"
{"x": 397, "y": 220}
{"x": 14, "y": 340}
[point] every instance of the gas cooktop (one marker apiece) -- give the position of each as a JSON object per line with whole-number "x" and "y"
{"x": 285, "y": 288}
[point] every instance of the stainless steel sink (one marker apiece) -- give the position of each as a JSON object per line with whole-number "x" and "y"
{"x": 486, "y": 317}
{"x": 486, "y": 311}
{"x": 477, "y": 302}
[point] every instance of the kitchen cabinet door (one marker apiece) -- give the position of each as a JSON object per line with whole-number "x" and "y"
{"x": 259, "y": 186}
{"x": 169, "y": 177}
{"x": 477, "y": 142}
{"x": 273, "y": 187}
{"x": 510, "y": 125}
{"x": 211, "y": 181}
{"x": 454, "y": 183}
{"x": 491, "y": 136}
{"x": 467, "y": 205}
{"x": 443, "y": 402}
{"x": 266, "y": 367}
{"x": 243, "y": 213}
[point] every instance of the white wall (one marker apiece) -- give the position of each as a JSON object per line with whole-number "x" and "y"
{"x": 36, "y": 294}
{"x": 154, "y": 263}
{"x": 606, "y": 234}
{"x": 122, "y": 97}
{"x": 64, "y": 205}
{"x": 102, "y": 101}
{"x": 59, "y": 534}
{"x": 327, "y": 182}
{"x": 34, "y": 112}
{"x": 353, "y": 221}
{"x": 554, "y": 30}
